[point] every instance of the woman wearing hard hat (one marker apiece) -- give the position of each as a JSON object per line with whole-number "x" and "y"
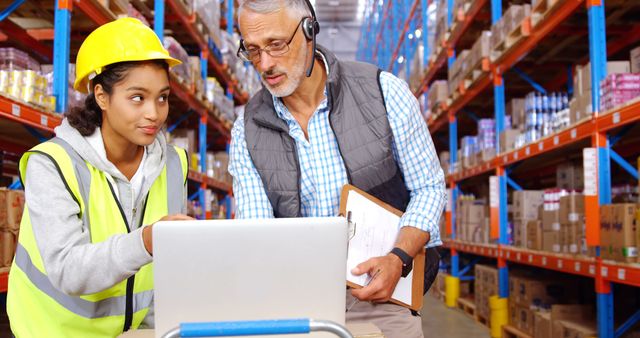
{"x": 83, "y": 262}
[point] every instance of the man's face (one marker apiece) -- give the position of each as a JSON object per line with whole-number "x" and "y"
{"x": 282, "y": 74}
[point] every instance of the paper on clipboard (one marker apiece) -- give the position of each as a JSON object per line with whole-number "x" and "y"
{"x": 375, "y": 235}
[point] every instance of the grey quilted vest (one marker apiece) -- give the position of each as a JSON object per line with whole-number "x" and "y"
{"x": 358, "y": 118}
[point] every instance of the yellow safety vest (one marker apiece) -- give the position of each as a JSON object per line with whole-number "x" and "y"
{"x": 35, "y": 307}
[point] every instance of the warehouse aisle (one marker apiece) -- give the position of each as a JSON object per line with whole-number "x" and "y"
{"x": 440, "y": 321}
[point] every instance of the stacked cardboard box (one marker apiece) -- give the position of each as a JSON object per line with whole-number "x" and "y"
{"x": 480, "y": 50}
{"x": 550, "y": 214}
{"x": 438, "y": 95}
{"x": 457, "y": 72}
{"x": 508, "y": 140}
{"x": 486, "y": 285}
{"x": 11, "y": 208}
{"x": 617, "y": 89}
{"x": 570, "y": 176}
{"x": 619, "y": 235}
{"x": 530, "y": 295}
{"x": 526, "y": 204}
{"x": 516, "y": 109}
{"x": 417, "y": 68}
{"x": 635, "y": 60}
{"x": 581, "y": 105}
{"x": 575, "y": 321}
{"x": 472, "y": 220}
{"x": 572, "y": 224}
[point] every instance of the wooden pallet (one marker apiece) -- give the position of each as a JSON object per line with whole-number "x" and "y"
{"x": 482, "y": 320}
{"x": 467, "y": 306}
{"x": 540, "y": 10}
{"x": 509, "y": 331}
{"x": 522, "y": 31}
{"x": 483, "y": 66}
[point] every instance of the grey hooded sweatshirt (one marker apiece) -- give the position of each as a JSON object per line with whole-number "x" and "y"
{"x": 73, "y": 264}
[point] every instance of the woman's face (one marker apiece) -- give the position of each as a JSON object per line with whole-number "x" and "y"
{"x": 138, "y": 105}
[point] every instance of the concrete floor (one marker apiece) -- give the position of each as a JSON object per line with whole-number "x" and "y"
{"x": 440, "y": 321}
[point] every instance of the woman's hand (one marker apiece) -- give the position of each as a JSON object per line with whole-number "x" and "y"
{"x": 146, "y": 232}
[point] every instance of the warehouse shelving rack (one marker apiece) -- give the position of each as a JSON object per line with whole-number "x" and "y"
{"x": 41, "y": 123}
{"x": 391, "y": 23}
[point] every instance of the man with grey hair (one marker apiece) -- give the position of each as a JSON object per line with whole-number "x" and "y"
{"x": 308, "y": 133}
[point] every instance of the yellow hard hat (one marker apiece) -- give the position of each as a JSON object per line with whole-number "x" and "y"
{"x": 125, "y": 39}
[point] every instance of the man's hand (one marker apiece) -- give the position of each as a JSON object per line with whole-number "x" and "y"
{"x": 146, "y": 232}
{"x": 384, "y": 274}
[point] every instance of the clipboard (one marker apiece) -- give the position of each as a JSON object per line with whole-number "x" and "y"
{"x": 413, "y": 287}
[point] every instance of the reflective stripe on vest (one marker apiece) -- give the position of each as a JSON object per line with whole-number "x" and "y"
{"x": 103, "y": 314}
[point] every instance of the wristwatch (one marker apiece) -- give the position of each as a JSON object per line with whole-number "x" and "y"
{"x": 407, "y": 261}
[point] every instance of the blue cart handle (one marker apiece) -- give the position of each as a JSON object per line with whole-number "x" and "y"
{"x": 260, "y": 327}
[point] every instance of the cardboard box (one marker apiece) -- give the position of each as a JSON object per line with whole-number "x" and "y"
{"x": 7, "y": 247}
{"x": 635, "y": 60}
{"x": 582, "y": 329}
{"x": 570, "y": 176}
{"x": 480, "y": 50}
{"x": 550, "y": 220}
{"x": 508, "y": 140}
{"x": 525, "y": 319}
{"x": 534, "y": 235}
{"x": 526, "y": 204}
{"x": 572, "y": 312}
{"x": 542, "y": 325}
{"x": 438, "y": 93}
{"x": 551, "y": 241}
{"x": 606, "y": 231}
{"x": 11, "y": 208}
{"x": 520, "y": 233}
{"x": 623, "y": 237}
{"x": 516, "y": 109}
{"x": 613, "y": 67}
{"x": 572, "y": 208}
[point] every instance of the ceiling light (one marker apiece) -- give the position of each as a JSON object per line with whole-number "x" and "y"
{"x": 334, "y": 3}
{"x": 401, "y": 59}
{"x": 418, "y": 33}
{"x": 410, "y": 36}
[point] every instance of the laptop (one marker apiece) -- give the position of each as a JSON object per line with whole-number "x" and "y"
{"x": 260, "y": 269}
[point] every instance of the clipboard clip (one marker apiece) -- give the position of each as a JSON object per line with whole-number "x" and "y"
{"x": 352, "y": 226}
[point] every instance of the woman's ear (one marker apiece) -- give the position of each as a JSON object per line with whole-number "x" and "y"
{"x": 102, "y": 98}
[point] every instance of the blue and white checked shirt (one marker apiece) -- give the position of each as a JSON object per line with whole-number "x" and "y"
{"x": 322, "y": 168}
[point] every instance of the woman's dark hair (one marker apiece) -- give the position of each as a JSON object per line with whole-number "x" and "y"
{"x": 89, "y": 117}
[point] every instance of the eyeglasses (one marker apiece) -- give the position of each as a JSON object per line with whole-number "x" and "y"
{"x": 274, "y": 49}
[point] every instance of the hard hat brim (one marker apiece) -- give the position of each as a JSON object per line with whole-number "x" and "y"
{"x": 82, "y": 81}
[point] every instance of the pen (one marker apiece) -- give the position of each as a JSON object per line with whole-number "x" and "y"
{"x": 369, "y": 280}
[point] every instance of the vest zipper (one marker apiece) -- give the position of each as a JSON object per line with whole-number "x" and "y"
{"x": 295, "y": 152}
{"x": 339, "y": 148}
{"x": 128, "y": 311}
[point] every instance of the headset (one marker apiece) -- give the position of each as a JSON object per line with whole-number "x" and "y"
{"x": 310, "y": 28}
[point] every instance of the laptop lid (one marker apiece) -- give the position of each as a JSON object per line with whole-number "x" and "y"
{"x": 226, "y": 270}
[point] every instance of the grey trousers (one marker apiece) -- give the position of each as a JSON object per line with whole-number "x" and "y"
{"x": 393, "y": 320}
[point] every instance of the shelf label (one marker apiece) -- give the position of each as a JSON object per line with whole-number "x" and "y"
{"x": 556, "y": 140}
{"x": 482, "y": 251}
{"x": 616, "y": 118}
{"x": 508, "y": 254}
{"x": 560, "y": 263}
{"x": 604, "y": 271}
{"x": 15, "y": 109}
{"x": 592, "y": 269}
{"x": 505, "y": 159}
{"x": 494, "y": 196}
{"x": 621, "y": 274}
{"x": 44, "y": 120}
{"x": 519, "y": 256}
{"x": 530, "y": 258}
{"x": 590, "y": 156}
{"x": 540, "y": 146}
{"x": 527, "y": 151}
{"x": 574, "y": 133}
{"x": 577, "y": 266}
{"x": 544, "y": 261}
{"x": 515, "y": 155}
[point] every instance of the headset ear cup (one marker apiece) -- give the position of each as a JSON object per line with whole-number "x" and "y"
{"x": 308, "y": 28}
{"x": 316, "y": 27}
